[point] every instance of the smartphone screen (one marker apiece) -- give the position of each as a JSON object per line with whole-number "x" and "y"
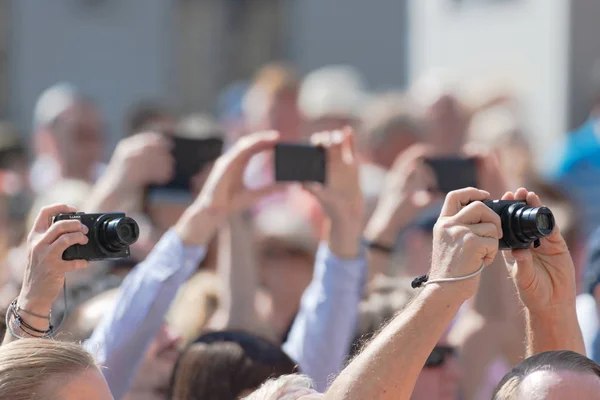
{"x": 190, "y": 157}
{"x": 299, "y": 163}
{"x": 453, "y": 173}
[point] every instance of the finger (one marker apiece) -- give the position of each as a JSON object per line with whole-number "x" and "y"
{"x": 335, "y": 146}
{"x": 521, "y": 194}
{"x": 67, "y": 240}
{"x": 314, "y": 188}
{"x": 533, "y": 200}
{"x": 491, "y": 250}
{"x": 521, "y": 269}
{"x": 486, "y": 229}
{"x": 508, "y": 196}
{"x": 61, "y": 227}
{"x": 74, "y": 265}
{"x": 477, "y": 213}
{"x": 252, "y": 196}
{"x": 253, "y": 144}
{"x": 317, "y": 139}
{"x": 44, "y": 218}
{"x": 350, "y": 140}
{"x": 458, "y": 199}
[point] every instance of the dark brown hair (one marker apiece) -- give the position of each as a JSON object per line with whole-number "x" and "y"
{"x": 563, "y": 360}
{"x": 223, "y": 365}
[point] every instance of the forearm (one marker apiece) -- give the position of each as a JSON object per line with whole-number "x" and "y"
{"x": 111, "y": 194}
{"x": 389, "y": 366}
{"x": 238, "y": 271}
{"x": 554, "y": 330}
{"x": 325, "y": 325}
{"x": 122, "y": 337}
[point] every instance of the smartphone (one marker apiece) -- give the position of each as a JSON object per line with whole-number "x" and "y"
{"x": 299, "y": 163}
{"x": 190, "y": 157}
{"x": 453, "y": 173}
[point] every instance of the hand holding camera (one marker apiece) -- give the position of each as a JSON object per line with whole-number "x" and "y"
{"x": 44, "y": 274}
{"x": 465, "y": 237}
{"x": 544, "y": 275}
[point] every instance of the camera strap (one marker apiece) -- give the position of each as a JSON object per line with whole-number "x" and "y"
{"x": 423, "y": 280}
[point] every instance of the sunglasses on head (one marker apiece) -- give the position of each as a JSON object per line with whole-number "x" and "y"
{"x": 438, "y": 356}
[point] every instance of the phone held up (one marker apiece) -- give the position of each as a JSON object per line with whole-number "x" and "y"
{"x": 300, "y": 163}
{"x": 190, "y": 155}
{"x": 453, "y": 173}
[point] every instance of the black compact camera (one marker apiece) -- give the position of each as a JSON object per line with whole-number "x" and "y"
{"x": 521, "y": 224}
{"x": 110, "y": 235}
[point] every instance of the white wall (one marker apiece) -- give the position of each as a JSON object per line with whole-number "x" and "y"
{"x": 117, "y": 51}
{"x": 522, "y": 43}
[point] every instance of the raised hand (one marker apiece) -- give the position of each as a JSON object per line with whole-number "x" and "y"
{"x": 465, "y": 236}
{"x": 545, "y": 279}
{"x": 141, "y": 160}
{"x": 224, "y": 192}
{"x": 341, "y": 196}
{"x": 545, "y": 276}
{"x": 406, "y": 192}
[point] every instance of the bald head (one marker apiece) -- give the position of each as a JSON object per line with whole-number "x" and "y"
{"x": 551, "y": 375}
{"x": 558, "y": 385}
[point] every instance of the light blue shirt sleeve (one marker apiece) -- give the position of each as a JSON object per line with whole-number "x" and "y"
{"x": 325, "y": 325}
{"x": 120, "y": 341}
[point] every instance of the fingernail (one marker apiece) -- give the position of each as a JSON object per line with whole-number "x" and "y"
{"x": 85, "y": 228}
{"x": 271, "y": 135}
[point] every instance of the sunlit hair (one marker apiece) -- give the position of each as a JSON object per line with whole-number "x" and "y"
{"x": 28, "y": 367}
{"x": 564, "y": 360}
{"x": 287, "y": 387}
{"x": 225, "y": 365}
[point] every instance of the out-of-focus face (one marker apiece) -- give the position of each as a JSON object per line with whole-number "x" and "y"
{"x": 285, "y": 273}
{"x": 284, "y": 115}
{"x": 79, "y": 141}
{"x": 89, "y": 385}
{"x": 441, "y": 382}
{"x": 418, "y": 246}
{"x": 154, "y": 376}
{"x": 447, "y": 122}
{"x": 558, "y": 385}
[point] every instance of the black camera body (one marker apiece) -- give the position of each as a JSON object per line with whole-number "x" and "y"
{"x": 521, "y": 225}
{"x": 110, "y": 235}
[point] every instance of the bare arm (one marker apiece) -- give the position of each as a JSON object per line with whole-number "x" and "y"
{"x": 390, "y": 365}
{"x": 237, "y": 268}
{"x": 388, "y": 368}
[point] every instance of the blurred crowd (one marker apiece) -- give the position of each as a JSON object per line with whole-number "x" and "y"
{"x": 279, "y": 280}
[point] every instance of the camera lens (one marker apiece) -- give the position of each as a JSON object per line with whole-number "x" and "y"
{"x": 531, "y": 223}
{"x": 118, "y": 233}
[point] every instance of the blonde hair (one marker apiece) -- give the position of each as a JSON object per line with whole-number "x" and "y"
{"x": 286, "y": 387}
{"x": 27, "y": 365}
{"x": 201, "y": 294}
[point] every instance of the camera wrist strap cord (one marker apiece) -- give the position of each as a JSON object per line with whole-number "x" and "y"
{"x": 423, "y": 280}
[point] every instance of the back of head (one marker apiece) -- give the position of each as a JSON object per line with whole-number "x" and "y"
{"x": 287, "y": 387}
{"x": 29, "y": 367}
{"x": 509, "y": 387}
{"x": 53, "y": 102}
{"x": 215, "y": 369}
{"x": 199, "y": 126}
{"x": 146, "y": 114}
{"x": 386, "y": 297}
{"x": 389, "y": 114}
{"x": 332, "y": 91}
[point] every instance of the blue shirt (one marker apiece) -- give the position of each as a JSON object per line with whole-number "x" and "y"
{"x": 318, "y": 341}
{"x": 577, "y": 172}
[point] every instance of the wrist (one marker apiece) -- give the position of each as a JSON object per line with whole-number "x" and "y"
{"x": 34, "y": 304}
{"x": 389, "y": 220}
{"x": 198, "y": 225}
{"x": 344, "y": 238}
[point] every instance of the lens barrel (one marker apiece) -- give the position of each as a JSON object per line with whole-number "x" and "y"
{"x": 528, "y": 224}
{"x": 118, "y": 233}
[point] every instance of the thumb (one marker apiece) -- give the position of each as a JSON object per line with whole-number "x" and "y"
{"x": 522, "y": 269}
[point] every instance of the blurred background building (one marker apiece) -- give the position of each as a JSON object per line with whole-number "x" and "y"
{"x": 187, "y": 51}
